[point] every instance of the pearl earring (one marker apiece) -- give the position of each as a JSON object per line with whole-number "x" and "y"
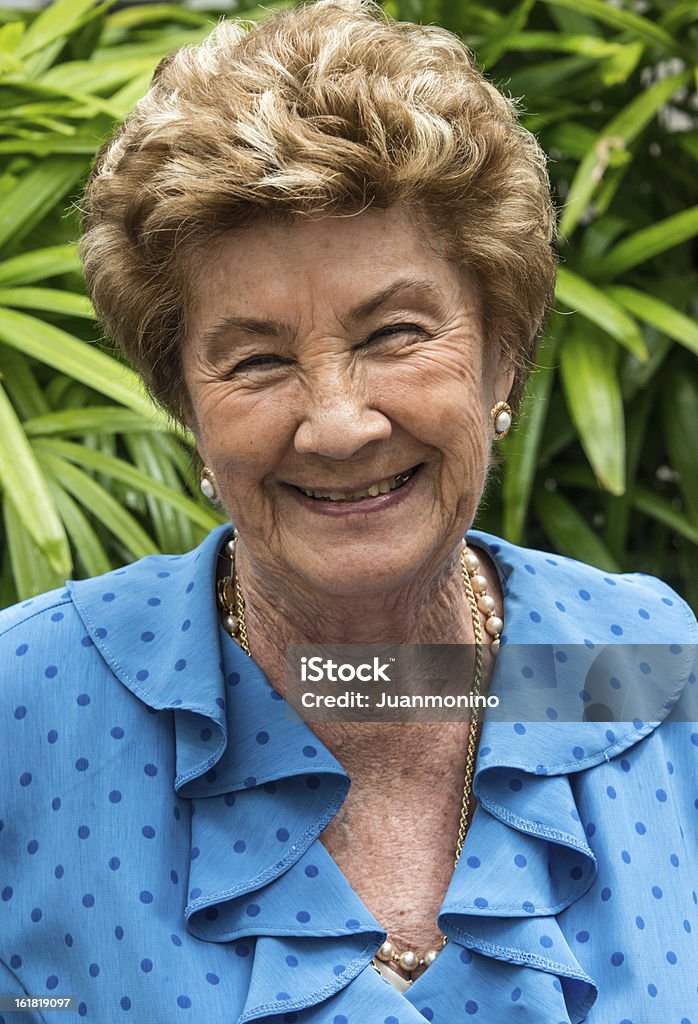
{"x": 500, "y": 418}
{"x": 208, "y": 484}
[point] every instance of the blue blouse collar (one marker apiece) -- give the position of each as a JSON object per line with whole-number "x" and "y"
{"x": 155, "y": 623}
{"x": 177, "y": 664}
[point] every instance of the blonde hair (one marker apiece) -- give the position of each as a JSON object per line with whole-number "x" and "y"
{"x": 322, "y": 108}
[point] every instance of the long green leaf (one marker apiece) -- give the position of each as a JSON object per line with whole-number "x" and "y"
{"x": 86, "y": 544}
{"x": 50, "y": 146}
{"x": 523, "y": 444}
{"x": 37, "y": 192}
{"x": 77, "y": 359}
{"x": 100, "y": 504}
{"x": 23, "y": 481}
{"x": 641, "y": 28}
{"x": 172, "y": 529}
{"x": 679, "y": 407}
{"x": 99, "y": 77}
{"x": 18, "y": 376}
{"x": 134, "y": 17}
{"x": 593, "y": 396}
{"x": 661, "y": 510}
{"x": 644, "y": 245}
{"x": 118, "y": 469}
{"x": 101, "y": 419}
{"x": 660, "y": 314}
{"x": 57, "y": 20}
{"x": 578, "y": 294}
{"x": 40, "y": 264}
{"x": 48, "y": 300}
{"x": 497, "y": 42}
{"x": 618, "y": 133}
{"x": 30, "y": 569}
{"x": 570, "y": 533}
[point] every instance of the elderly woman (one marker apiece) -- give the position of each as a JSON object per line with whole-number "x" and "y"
{"x": 326, "y": 244}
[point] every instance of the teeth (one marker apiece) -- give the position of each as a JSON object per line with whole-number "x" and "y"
{"x": 382, "y": 487}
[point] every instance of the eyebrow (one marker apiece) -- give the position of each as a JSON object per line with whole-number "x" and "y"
{"x": 276, "y": 328}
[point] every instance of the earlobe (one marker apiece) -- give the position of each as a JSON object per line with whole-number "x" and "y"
{"x": 500, "y": 419}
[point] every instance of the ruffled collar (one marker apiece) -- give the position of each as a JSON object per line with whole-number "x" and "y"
{"x": 263, "y": 788}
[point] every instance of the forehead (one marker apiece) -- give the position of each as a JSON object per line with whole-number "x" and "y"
{"x": 277, "y": 265}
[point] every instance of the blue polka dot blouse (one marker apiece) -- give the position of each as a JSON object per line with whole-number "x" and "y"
{"x": 162, "y": 806}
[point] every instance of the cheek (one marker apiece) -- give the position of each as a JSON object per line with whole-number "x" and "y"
{"x": 441, "y": 404}
{"x": 244, "y": 436}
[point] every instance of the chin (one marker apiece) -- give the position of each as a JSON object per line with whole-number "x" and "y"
{"x": 370, "y": 570}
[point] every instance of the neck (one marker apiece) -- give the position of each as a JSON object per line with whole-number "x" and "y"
{"x": 431, "y": 609}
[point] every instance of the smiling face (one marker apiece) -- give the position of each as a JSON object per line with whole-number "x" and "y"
{"x": 340, "y": 387}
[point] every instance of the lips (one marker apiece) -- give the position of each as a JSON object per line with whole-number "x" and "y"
{"x": 384, "y": 486}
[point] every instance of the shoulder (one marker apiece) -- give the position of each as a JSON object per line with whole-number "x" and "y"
{"x": 36, "y": 629}
{"x": 53, "y": 602}
{"x": 585, "y": 603}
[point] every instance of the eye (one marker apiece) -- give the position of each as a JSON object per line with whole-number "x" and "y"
{"x": 262, "y": 361}
{"x": 394, "y": 331}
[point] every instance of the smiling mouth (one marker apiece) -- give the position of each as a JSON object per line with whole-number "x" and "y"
{"x": 390, "y": 483}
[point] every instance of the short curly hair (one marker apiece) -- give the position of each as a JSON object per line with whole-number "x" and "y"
{"x": 318, "y": 109}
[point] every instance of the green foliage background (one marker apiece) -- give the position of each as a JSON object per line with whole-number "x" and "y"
{"x": 601, "y": 463}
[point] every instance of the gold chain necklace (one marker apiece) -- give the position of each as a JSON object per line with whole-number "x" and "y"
{"x": 232, "y": 604}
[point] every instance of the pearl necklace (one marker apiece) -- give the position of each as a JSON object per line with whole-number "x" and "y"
{"x": 232, "y": 604}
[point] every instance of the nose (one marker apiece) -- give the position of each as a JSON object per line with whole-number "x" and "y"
{"x": 338, "y": 421}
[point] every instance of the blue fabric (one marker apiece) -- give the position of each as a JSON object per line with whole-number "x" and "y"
{"x": 161, "y": 808}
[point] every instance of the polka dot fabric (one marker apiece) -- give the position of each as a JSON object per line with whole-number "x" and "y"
{"x": 162, "y": 808}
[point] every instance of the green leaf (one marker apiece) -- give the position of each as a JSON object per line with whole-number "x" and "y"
{"x": 55, "y": 22}
{"x": 547, "y": 75}
{"x": 660, "y": 314}
{"x": 642, "y": 28}
{"x": 619, "y": 508}
{"x": 172, "y": 530}
{"x": 30, "y": 569}
{"x": 77, "y": 359}
{"x": 129, "y": 18}
{"x": 48, "y": 300}
{"x": 102, "y": 419}
{"x": 618, "y": 134}
{"x": 649, "y": 242}
{"x": 598, "y": 307}
{"x": 18, "y": 377}
{"x": 679, "y": 14}
{"x": 679, "y": 407}
{"x": 40, "y": 264}
{"x": 118, "y": 469}
{"x": 37, "y": 192}
{"x": 593, "y": 396}
{"x": 100, "y": 503}
{"x": 522, "y": 445}
{"x": 661, "y": 510}
{"x": 55, "y": 100}
{"x": 98, "y": 76}
{"x": 50, "y": 146}
{"x": 570, "y": 533}
{"x": 24, "y": 483}
{"x": 497, "y": 43}
{"x": 86, "y": 544}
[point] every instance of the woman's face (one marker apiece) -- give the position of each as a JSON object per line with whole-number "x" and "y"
{"x": 340, "y": 384}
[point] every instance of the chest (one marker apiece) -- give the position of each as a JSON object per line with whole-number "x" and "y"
{"x": 397, "y": 849}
